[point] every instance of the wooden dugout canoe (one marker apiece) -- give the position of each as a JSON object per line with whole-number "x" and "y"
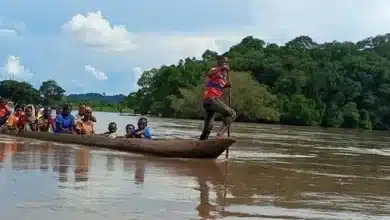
{"x": 209, "y": 149}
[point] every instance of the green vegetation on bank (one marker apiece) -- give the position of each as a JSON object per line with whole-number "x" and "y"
{"x": 335, "y": 84}
{"x": 99, "y": 102}
{"x": 52, "y": 94}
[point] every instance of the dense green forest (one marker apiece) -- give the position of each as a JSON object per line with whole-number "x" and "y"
{"x": 95, "y": 97}
{"x": 99, "y": 102}
{"x": 52, "y": 94}
{"x": 334, "y": 84}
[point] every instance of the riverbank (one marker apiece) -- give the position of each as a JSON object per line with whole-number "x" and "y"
{"x": 110, "y": 109}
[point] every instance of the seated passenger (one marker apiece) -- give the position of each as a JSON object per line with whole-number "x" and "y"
{"x": 64, "y": 120}
{"x": 28, "y": 120}
{"x": 39, "y": 112}
{"x": 143, "y": 131}
{"x": 13, "y": 122}
{"x": 5, "y": 111}
{"x": 81, "y": 113}
{"x": 58, "y": 110}
{"x": 130, "y": 128}
{"x": 46, "y": 121}
{"x": 85, "y": 125}
{"x": 112, "y": 128}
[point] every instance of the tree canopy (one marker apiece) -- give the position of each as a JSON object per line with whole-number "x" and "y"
{"x": 335, "y": 84}
{"x": 52, "y": 94}
{"x": 19, "y": 92}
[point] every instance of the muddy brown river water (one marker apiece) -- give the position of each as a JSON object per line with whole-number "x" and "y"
{"x": 274, "y": 172}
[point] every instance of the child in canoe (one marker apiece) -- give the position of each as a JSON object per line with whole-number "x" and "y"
{"x": 143, "y": 131}
{"x": 112, "y": 128}
{"x": 130, "y": 128}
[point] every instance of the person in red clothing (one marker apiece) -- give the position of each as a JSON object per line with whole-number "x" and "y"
{"x": 4, "y": 111}
{"x": 14, "y": 122}
{"x": 216, "y": 82}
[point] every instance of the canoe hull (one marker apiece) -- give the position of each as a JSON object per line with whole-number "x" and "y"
{"x": 209, "y": 149}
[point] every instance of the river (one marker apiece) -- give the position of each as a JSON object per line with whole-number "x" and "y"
{"x": 273, "y": 172}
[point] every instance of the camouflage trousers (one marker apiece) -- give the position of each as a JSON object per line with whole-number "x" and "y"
{"x": 212, "y": 106}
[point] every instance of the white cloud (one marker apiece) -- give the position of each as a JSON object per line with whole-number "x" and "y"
{"x": 99, "y": 75}
{"x": 321, "y": 20}
{"x": 95, "y": 31}
{"x": 7, "y": 32}
{"x": 11, "y": 29}
{"x": 347, "y": 20}
{"x": 146, "y": 48}
{"x": 13, "y": 69}
{"x": 77, "y": 83}
{"x": 137, "y": 71}
{"x": 156, "y": 49}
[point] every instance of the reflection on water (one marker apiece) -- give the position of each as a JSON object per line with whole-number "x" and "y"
{"x": 110, "y": 162}
{"x": 82, "y": 164}
{"x": 139, "y": 174}
{"x": 63, "y": 158}
{"x": 44, "y": 156}
{"x": 274, "y": 172}
{"x": 107, "y": 183}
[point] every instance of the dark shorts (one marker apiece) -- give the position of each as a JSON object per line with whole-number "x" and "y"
{"x": 215, "y": 105}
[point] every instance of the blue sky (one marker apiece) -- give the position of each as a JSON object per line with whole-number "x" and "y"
{"x": 103, "y": 46}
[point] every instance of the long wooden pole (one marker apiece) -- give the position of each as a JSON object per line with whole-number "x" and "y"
{"x": 230, "y": 105}
{"x": 227, "y": 150}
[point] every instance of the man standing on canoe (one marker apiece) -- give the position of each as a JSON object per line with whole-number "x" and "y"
{"x": 216, "y": 82}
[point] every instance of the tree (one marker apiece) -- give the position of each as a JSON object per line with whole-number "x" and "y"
{"x": 19, "y": 92}
{"x": 51, "y": 92}
{"x": 336, "y": 84}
